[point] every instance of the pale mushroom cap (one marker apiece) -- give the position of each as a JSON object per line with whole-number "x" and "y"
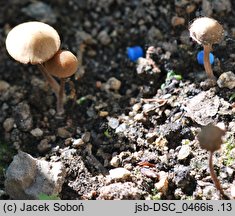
{"x": 206, "y": 31}
{"x": 32, "y": 42}
{"x": 63, "y": 64}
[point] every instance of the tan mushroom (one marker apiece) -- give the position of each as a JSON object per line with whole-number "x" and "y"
{"x": 210, "y": 138}
{"x": 206, "y": 31}
{"x": 32, "y": 42}
{"x": 35, "y": 43}
{"x": 62, "y": 65}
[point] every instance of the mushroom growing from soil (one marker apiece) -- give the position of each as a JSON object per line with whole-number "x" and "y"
{"x": 206, "y": 31}
{"x": 36, "y": 43}
{"x": 210, "y": 139}
{"x": 62, "y": 65}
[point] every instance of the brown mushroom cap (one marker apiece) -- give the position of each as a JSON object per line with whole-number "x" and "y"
{"x": 210, "y": 137}
{"x": 206, "y": 31}
{"x": 32, "y": 42}
{"x": 63, "y": 64}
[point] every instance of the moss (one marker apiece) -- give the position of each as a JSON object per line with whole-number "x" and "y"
{"x": 229, "y": 146}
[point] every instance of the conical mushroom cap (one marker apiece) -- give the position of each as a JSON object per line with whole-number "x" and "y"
{"x": 63, "y": 64}
{"x": 206, "y": 31}
{"x": 32, "y": 42}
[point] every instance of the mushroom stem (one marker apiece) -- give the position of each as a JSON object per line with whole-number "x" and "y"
{"x": 60, "y": 98}
{"x": 52, "y": 82}
{"x": 207, "y": 65}
{"x": 214, "y": 177}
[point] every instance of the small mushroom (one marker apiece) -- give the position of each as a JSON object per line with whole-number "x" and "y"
{"x": 210, "y": 138}
{"x": 62, "y": 65}
{"x": 206, "y": 31}
{"x": 32, "y": 42}
{"x": 36, "y": 43}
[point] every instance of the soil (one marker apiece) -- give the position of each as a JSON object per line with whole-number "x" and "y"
{"x": 142, "y": 116}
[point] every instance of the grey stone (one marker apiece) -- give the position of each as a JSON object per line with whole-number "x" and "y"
{"x": 77, "y": 143}
{"x": 184, "y": 152}
{"x": 104, "y": 38}
{"x": 40, "y": 11}
{"x": 4, "y": 86}
{"x": 121, "y": 128}
{"x": 113, "y": 84}
{"x": 28, "y": 177}
{"x": 113, "y": 123}
{"x": 37, "y": 132}
{"x": 8, "y": 124}
{"x": 119, "y": 173}
{"x": 23, "y": 117}
{"x": 63, "y": 133}
{"x": 86, "y": 136}
{"x": 120, "y": 191}
{"x": 226, "y": 80}
{"x": 203, "y": 107}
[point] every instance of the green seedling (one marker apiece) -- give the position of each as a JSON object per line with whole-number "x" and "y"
{"x": 210, "y": 139}
{"x": 81, "y": 100}
{"x": 106, "y": 133}
{"x": 170, "y": 76}
{"x": 232, "y": 97}
{"x": 38, "y": 44}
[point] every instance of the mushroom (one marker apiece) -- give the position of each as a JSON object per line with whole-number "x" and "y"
{"x": 35, "y": 43}
{"x": 62, "y": 65}
{"x": 210, "y": 139}
{"x": 206, "y": 31}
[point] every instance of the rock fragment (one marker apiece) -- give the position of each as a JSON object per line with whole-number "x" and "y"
{"x": 27, "y": 177}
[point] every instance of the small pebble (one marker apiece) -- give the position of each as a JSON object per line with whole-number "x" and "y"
{"x": 8, "y": 124}
{"x": 77, "y": 143}
{"x": 4, "y": 86}
{"x": 40, "y": 11}
{"x": 162, "y": 184}
{"x": 139, "y": 117}
{"x": 113, "y": 123}
{"x": 86, "y": 136}
{"x": 184, "y": 152}
{"x": 113, "y": 84}
{"x": 121, "y": 128}
{"x": 149, "y": 173}
{"x": 226, "y": 80}
{"x": 37, "y": 132}
{"x": 43, "y": 145}
{"x": 103, "y": 113}
{"x": 119, "y": 173}
{"x": 63, "y": 133}
{"x": 115, "y": 161}
{"x": 175, "y": 21}
{"x": 104, "y": 38}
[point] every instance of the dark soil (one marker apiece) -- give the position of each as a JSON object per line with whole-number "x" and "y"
{"x": 144, "y": 124}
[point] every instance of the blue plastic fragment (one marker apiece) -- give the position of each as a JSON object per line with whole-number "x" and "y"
{"x": 200, "y": 58}
{"x": 134, "y": 52}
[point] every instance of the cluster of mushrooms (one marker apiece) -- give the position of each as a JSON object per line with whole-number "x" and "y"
{"x": 38, "y": 43}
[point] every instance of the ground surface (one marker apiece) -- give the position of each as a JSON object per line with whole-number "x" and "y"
{"x": 148, "y": 125}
